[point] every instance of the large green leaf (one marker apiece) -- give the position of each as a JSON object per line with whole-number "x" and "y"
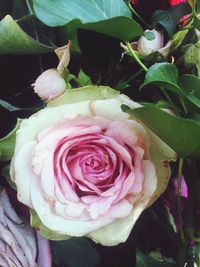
{"x": 7, "y": 144}
{"x": 180, "y": 134}
{"x": 163, "y": 74}
{"x": 112, "y": 27}
{"x": 95, "y": 17}
{"x": 13, "y": 40}
{"x": 60, "y": 12}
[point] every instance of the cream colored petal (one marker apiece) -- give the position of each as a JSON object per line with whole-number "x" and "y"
{"x": 57, "y": 223}
{"x": 161, "y": 154}
{"x": 23, "y": 173}
{"x": 111, "y": 108}
{"x": 118, "y": 231}
{"x": 48, "y": 117}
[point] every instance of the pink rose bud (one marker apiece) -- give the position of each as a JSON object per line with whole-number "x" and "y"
{"x": 146, "y": 47}
{"x": 18, "y": 242}
{"x": 49, "y": 85}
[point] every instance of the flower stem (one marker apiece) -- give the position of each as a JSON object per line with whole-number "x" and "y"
{"x": 137, "y": 15}
{"x": 35, "y": 32}
{"x": 135, "y": 56}
{"x": 180, "y": 171}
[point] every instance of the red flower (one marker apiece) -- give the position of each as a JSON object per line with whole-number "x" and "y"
{"x": 176, "y": 2}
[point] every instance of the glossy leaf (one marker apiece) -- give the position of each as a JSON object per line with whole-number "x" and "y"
{"x": 7, "y": 144}
{"x": 197, "y": 22}
{"x": 15, "y": 41}
{"x": 83, "y": 79}
{"x": 170, "y": 18}
{"x": 163, "y": 74}
{"x": 177, "y": 39}
{"x": 166, "y": 75}
{"x": 149, "y": 35}
{"x": 111, "y": 27}
{"x": 190, "y": 86}
{"x": 180, "y": 134}
{"x": 60, "y": 12}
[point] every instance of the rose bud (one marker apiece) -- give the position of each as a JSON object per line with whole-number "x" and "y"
{"x": 49, "y": 85}
{"x": 145, "y": 47}
{"x": 19, "y": 243}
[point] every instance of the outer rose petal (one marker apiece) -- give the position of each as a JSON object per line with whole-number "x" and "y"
{"x": 23, "y": 158}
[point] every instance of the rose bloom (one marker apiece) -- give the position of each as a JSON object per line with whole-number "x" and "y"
{"x": 20, "y": 246}
{"x": 86, "y": 167}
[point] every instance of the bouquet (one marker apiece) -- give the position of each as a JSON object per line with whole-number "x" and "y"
{"x": 100, "y": 133}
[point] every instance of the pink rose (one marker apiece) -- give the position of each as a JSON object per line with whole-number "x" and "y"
{"x": 86, "y": 167}
{"x": 20, "y": 246}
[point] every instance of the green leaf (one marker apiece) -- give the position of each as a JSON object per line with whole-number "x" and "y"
{"x": 170, "y": 18}
{"x": 149, "y": 35}
{"x": 83, "y": 79}
{"x": 117, "y": 18}
{"x": 180, "y": 134}
{"x": 44, "y": 231}
{"x": 147, "y": 261}
{"x": 166, "y": 75}
{"x": 163, "y": 74}
{"x": 75, "y": 252}
{"x": 90, "y": 92}
{"x": 60, "y": 12}
{"x": 197, "y": 22}
{"x": 6, "y": 174}
{"x": 7, "y": 144}
{"x": 177, "y": 39}
{"x": 111, "y": 27}
{"x": 13, "y": 40}
{"x": 190, "y": 86}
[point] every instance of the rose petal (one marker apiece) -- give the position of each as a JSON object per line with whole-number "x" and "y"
{"x": 23, "y": 175}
